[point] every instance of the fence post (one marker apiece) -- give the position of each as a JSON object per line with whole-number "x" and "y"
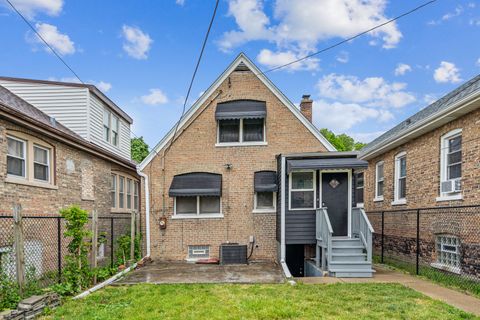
{"x": 132, "y": 237}
{"x": 59, "y": 252}
{"x": 19, "y": 246}
{"x": 111, "y": 242}
{"x": 94, "y": 243}
{"x": 418, "y": 243}
{"x": 383, "y": 228}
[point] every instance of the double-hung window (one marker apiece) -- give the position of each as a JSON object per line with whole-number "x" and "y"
{"x": 129, "y": 193}
{"x": 241, "y": 130}
{"x": 41, "y": 164}
{"x": 111, "y": 127}
{"x": 113, "y": 190}
{"x": 359, "y": 186}
{"x": 400, "y": 186}
{"x": 135, "y": 194}
{"x": 16, "y": 157}
{"x": 379, "y": 180}
{"x": 121, "y": 192}
{"x": 451, "y": 164}
{"x": 197, "y": 205}
{"x": 302, "y": 190}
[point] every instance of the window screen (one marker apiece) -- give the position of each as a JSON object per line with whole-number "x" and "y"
{"x": 265, "y": 200}
{"x": 229, "y": 130}
{"x": 186, "y": 205}
{"x": 253, "y": 129}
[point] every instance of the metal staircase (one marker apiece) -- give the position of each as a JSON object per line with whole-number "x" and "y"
{"x": 346, "y": 257}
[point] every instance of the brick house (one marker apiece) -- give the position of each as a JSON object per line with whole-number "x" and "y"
{"x": 217, "y": 177}
{"x": 431, "y": 159}
{"x": 60, "y": 144}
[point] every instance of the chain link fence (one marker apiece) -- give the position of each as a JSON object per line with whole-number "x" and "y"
{"x": 36, "y": 247}
{"x": 442, "y": 244}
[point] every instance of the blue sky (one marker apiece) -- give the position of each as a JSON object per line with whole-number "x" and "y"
{"x": 142, "y": 53}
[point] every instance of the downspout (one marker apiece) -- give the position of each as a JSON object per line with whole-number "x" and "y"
{"x": 147, "y": 209}
{"x": 282, "y": 221}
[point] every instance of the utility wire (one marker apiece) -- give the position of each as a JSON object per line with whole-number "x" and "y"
{"x": 194, "y": 74}
{"x": 41, "y": 38}
{"x": 351, "y": 38}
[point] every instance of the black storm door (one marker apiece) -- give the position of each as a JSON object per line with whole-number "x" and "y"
{"x": 335, "y": 198}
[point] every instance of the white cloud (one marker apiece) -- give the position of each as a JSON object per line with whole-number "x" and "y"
{"x": 64, "y": 79}
{"x": 366, "y": 137}
{"x": 402, "y": 68}
{"x": 297, "y": 29}
{"x": 30, "y": 8}
{"x": 458, "y": 11}
{"x": 103, "y": 86}
{"x": 180, "y": 2}
{"x": 343, "y": 57}
{"x": 372, "y": 91}
{"x": 274, "y": 59}
{"x": 343, "y": 116}
{"x": 478, "y": 62}
{"x": 155, "y": 97}
{"x": 447, "y": 72}
{"x": 137, "y": 43}
{"x": 60, "y": 42}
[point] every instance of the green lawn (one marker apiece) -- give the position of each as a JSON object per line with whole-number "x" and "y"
{"x": 283, "y": 301}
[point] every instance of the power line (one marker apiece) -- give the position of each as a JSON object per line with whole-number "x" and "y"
{"x": 194, "y": 73}
{"x": 351, "y": 38}
{"x": 41, "y": 38}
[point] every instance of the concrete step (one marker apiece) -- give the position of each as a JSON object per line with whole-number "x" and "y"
{"x": 352, "y": 273}
{"x": 350, "y": 265}
{"x": 349, "y": 256}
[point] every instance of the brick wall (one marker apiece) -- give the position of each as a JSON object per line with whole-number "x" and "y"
{"x": 423, "y": 168}
{"x": 194, "y": 150}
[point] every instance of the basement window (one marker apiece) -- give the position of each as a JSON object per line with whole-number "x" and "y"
{"x": 448, "y": 253}
{"x": 196, "y": 252}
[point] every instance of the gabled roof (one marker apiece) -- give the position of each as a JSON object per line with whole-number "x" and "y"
{"x": 241, "y": 62}
{"x": 18, "y": 108}
{"x": 453, "y": 105}
{"x": 93, "y": 89}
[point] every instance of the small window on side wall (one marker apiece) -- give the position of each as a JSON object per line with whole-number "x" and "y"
{"x": 448, "y": 253}
{"x": 16, "y": 157}
{"x": 379, "y": 180}
{"x": 359, "y": 188}
{"x": 302, "y": 190}
{"x": 451, "y": 164}
{"x": 197, "y": 205}
{"x": 400, "y": 186}
{"x": 265, "y": 201}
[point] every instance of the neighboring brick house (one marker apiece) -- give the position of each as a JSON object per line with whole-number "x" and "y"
{"x": 212, "y": 178}
{"x": 48, "y": 163}
{"x": 432, "y": 159}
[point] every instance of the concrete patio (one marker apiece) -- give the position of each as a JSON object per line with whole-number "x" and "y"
{"x": 182, "y": 272}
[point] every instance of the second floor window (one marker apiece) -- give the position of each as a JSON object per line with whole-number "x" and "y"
{"x": 111, "y": 125}
{"x": 400, "y": 187}
{"x": 241, "y": 130}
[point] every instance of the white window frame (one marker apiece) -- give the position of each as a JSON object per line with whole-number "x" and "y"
{"x": 205, "y": 248}
{"x": 129, "y": 194}
{"x": 198, "y": 215}
{"x": 314, "y": 191}
{"x": 111, "y": 118}
{"x": 396, "y": 186}
{"x": 25, "y": 158}
{"x": 108, "y": 135}
{"x": 43, "y": 164}
{"x": 241, "y": 142}
{"x": 443, "y": 165}
{"x": 115, "y": 142}
{"x": 440, "y": 240}
{"x": 136, "y": 191}
{"x": 360, "y": 204}
{"x": 114, "y": 189}
{"x": 377, "y": 180}
{"x": 121, "y": 190}
{"x": 265, "y": 210}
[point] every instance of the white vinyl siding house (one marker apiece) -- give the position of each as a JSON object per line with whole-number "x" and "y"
{"x": 76, "y": 107}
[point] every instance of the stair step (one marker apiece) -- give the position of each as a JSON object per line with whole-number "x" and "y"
{"x": 349, "y": 256}
{"x": 350, "y": 265}
{"x": 346, "y": 242}
{"x": 347, "y": 250}
{"x": 352, "y": 273}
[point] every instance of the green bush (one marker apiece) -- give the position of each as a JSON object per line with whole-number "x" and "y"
{"x": 10, "y": 291}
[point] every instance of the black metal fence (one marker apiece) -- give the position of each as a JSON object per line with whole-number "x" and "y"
{"x": 45, "y": 246}
{"x": 441, "y": 243}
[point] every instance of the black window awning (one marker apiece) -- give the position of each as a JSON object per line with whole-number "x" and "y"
{"x": 265, "y": 181}
{"x": 326, "y": 163}
{"x": 196, "y": 184}
{"x": 241, "y": 109}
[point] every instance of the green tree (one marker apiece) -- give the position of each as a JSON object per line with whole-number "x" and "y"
{"x": 342, "y": 142}
{"x": 139, "y": 149}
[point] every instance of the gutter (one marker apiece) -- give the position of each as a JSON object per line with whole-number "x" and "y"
{"x": 147, "y": 209}
{"x": 287, "y": 273}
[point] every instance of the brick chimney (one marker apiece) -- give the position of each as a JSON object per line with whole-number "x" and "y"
{"x": 306, "y": 107}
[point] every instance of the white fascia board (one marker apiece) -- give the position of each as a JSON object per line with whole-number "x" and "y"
{"x": 240, "y": 58}
{"x": 427, "y": 123}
